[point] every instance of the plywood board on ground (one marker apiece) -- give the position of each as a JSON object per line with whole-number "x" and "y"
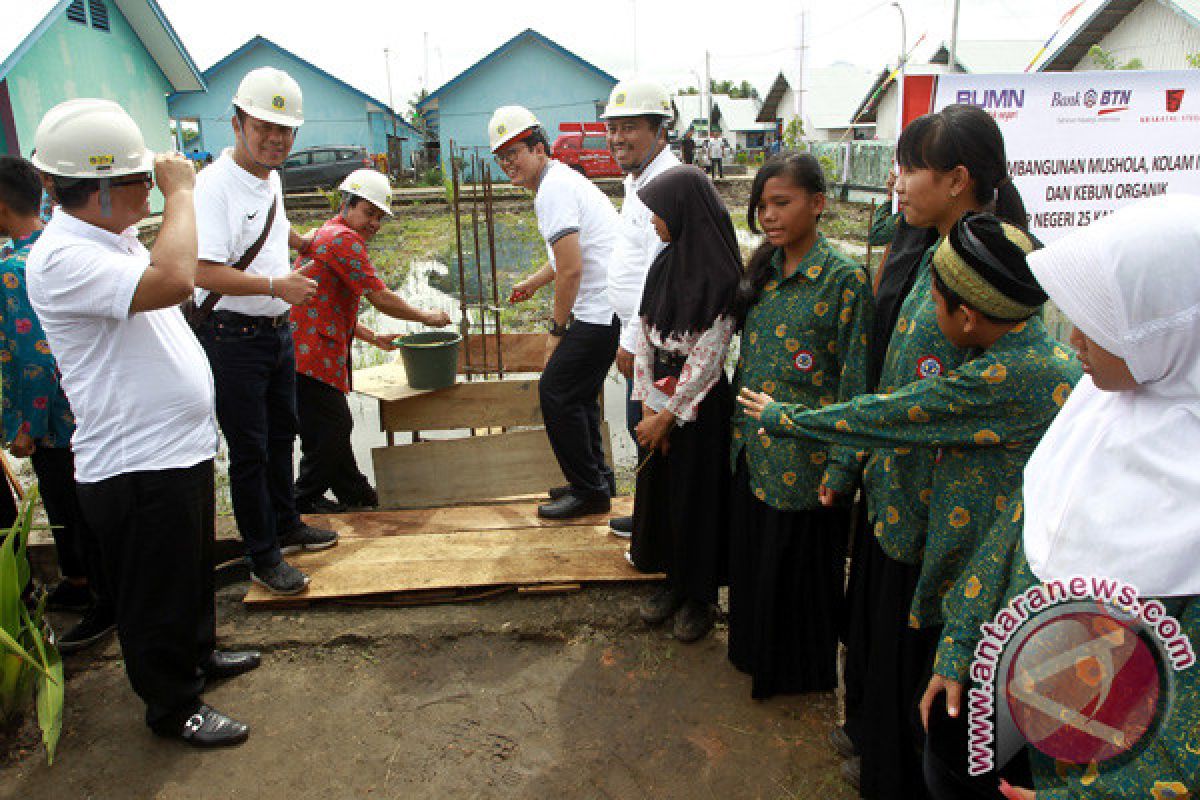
{"x": 465, "y": 560}
{"x": 450, "y": 519}
{"x": 511, "y": 403}
{"x": 479, "y": 468}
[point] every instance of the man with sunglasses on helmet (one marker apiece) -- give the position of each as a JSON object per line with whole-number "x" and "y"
{"x": 142, "y": 395}
{"x": 247, "y": 332}
{"x": 638, "y": 116}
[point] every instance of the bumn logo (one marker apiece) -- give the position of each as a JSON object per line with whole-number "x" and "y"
{"x": 991, "y": 98}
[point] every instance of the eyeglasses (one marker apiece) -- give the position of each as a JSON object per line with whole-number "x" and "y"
{"x": 143, "y": 179}
{"x": 506, "y": 158}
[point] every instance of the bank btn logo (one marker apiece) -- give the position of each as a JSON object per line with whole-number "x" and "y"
{"x": 804, "y": 361}
{"x": 278, "y": 103}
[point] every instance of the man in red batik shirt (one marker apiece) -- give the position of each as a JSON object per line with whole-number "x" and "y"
{"x": 324, "y": 330}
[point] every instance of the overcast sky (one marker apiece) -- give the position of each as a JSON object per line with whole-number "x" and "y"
{"x": 747, "y": 40}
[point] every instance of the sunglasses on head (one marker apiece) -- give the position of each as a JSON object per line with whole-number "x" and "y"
{"x": 141, "y": 179}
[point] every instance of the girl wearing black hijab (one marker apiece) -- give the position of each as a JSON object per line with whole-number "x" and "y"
{"x": 680, "y": 514}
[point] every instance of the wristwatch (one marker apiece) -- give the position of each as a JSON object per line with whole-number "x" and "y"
{"x": 556, "y": 329}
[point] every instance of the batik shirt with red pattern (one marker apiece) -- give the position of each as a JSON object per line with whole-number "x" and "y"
{"x": 33, "y": 398}
{"x": 324, "y": 327}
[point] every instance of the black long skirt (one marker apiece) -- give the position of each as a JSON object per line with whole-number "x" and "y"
{"x": 855, "y": 628}
{"x": 899, "y": 663}
{"x": 681, "y": 504}
{"x": 786, "y": 572}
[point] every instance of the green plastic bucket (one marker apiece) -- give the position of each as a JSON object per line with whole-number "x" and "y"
{"x": 430, "y": 358}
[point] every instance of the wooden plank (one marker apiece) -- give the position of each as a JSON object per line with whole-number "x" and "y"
{"x": 523, "y": 352}
{"x": 449, "y": 519}
{"x": 478, "y": 468}
{"x": 477, "y": 404}
{"x": 468, "y": 559}
{"x": 386, "y": 382}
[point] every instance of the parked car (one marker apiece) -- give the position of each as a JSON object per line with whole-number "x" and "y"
{"x": 583, "y": 146}
{"x": 322, "y": 167}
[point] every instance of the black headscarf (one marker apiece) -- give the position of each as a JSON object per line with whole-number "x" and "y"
{"x": 694, "y": 280}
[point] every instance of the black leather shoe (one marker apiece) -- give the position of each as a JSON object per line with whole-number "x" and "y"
{"x": 660, "y": 606}
{"x": 572, "y": 505}
{"x": 319, "y": 505}
{"x": 225, "y": 664}
{"x": 558, "y": 492}
{"x": 209, "y": 728}
{"x": 694, "y": 622}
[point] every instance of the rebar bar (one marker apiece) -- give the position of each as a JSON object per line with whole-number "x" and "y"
{"x": 465, "y": 323}
{"x": 490, "y": 217}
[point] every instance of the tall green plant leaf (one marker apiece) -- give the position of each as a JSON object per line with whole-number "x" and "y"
{"x": 51, "y": 688}
{"x": 10, "y": 644}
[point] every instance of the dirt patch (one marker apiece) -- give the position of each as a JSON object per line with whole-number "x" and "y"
{"x": 517, "y": 697}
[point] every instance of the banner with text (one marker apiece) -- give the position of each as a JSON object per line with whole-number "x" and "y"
{"x": 1082, "y": 144}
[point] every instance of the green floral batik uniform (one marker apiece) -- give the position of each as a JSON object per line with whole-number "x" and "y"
{"x": 804, "y": 342}
{"x": 883, "y": 225}
{"x": 979, "y": 423}
{"x": 1165, "y": 768}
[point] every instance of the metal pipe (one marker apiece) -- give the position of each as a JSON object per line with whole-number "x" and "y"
{"x": 465, "y": 322}
{"x": 490, "y": 218}
{"x": 478, "y": 259}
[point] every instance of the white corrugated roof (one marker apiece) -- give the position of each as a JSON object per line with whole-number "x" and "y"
{"x": 832, "y": 95}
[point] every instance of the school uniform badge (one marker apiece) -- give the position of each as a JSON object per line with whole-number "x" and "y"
{"x": 804, "y": 361}
{"x": 929, "y": 367}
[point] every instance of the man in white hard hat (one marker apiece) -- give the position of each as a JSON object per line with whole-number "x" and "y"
{"x": 638, "y": 117}
{"x": 247, "y": 332}
{"x": 579, "y": 225}
{"x": 142, "y": 395}
{"x": 324, "y": 329}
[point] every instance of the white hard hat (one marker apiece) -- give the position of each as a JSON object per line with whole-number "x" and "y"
{"x": 638, "y": 98}
{"x": 508, "y": 123}
{"x": 371, "y": 185}
{"x": 271, "y": 95}
{"x": 90, "y": 138}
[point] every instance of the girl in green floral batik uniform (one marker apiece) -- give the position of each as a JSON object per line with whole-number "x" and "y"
{"x": 951, "y": 162}
{"x": 804, "y": 339}
{"x": 1111, "y": 491}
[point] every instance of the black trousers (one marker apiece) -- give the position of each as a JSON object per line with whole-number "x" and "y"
{"x": 254, "y": 371}
{"x": 570, "y": 395}
{"x": 326, "y": 454}
{"x": 156, "y": 533}
{"x": 78, "y": 550}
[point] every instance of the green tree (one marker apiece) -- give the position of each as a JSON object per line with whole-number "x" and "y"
{"x": 1193, "y": 60}
{"x": 687, "y": 91}
{"x": 414, "y": 109}
{"x": 1104, "y": 59}
{"x": 793, "y": 133}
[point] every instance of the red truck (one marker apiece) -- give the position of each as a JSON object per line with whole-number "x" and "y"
{"x": 583, "y": 146}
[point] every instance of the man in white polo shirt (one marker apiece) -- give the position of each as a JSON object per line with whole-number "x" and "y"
{"x": 142, "y": 395}
{"x": 579, "y": 225}
{"x": 638, "y": 114}
{"x": 247, "y": 335}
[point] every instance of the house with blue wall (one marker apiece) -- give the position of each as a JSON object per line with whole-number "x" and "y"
{"x": 121, "y": 50}
{"x": 528, "y": 70}
{"x": 335, "y": 113}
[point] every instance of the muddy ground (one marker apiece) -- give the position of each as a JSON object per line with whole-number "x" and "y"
{"x": 513, "y": 697}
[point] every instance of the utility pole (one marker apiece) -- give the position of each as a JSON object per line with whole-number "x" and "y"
{"x": 707, "y": 93}
{"x": 425, "y": 73}
{"x": 799, "y": 103}
{"x": 387, "y": 62}
{"x": 953, "y": 65}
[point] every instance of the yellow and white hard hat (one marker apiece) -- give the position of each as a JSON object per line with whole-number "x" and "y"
{"x": 371, "y": 185}
{"x": 638, "y": 98}
{"x": 90, "y": 138}
{"x": 509, "y": 122}
{"x": 271, "y": 95}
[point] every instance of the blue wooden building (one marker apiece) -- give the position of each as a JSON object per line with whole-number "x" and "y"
{"x": 121, "y": 50}
{"x": 527, "y": 70}
{"x": 335, "y": 112}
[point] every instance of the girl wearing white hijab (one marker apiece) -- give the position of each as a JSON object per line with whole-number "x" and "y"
{"x": 1113, "y": 489}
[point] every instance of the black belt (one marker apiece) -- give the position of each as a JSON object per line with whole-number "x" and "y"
{"x": 234, "y": 318}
